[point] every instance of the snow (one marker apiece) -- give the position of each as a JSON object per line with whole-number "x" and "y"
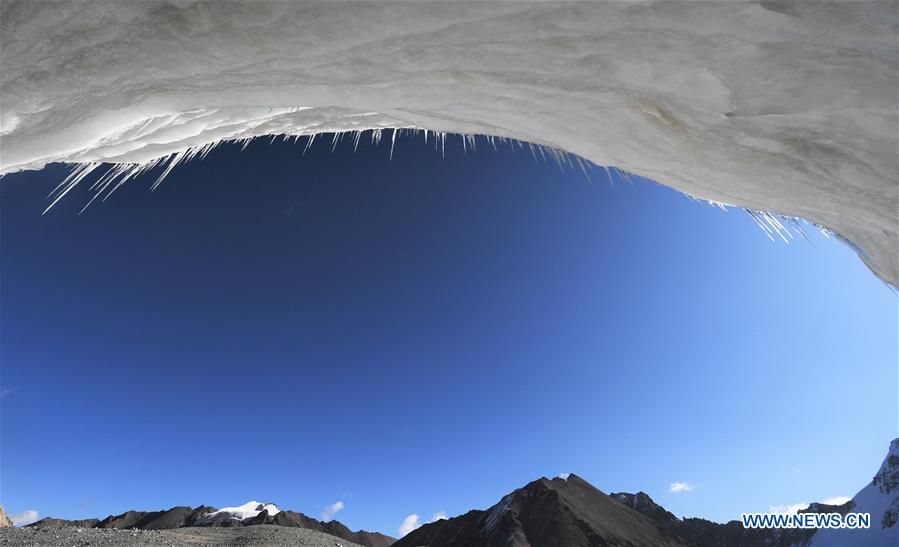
{"x": 785, "y": 107}
{"x": 496, "y": 514}
{"x": 248, "y": 510}
{"x": 880, "y": 498}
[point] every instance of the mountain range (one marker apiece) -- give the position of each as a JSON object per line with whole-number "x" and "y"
{"x": 249, "y": 514}
{"x": 560, "y": 512}
{"x": 568, "y": 511}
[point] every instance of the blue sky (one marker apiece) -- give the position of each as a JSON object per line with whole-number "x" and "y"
{"x": 423, "y": 335}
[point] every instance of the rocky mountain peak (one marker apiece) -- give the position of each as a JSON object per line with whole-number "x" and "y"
{"x": 643, "y": 504}
{"x": 5, "y": 521}
{"x": 887, "y": 478}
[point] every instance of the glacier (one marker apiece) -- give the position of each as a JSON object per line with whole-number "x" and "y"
{"x": 249, "y": 510}
{"x": 787, "y": 107}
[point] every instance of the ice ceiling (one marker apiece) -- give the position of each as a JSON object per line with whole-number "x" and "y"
{"x": 788, "y": 107}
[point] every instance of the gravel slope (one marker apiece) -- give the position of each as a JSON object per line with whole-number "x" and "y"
{"x": 249, "y": 535}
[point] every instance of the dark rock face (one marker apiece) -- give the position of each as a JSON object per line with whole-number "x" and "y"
{"x": 705, "y": 533}
{"x": 176, "y": 517}
{"x": 887, "y": 479}
{"x": 128, "y": 519}
{"x": 547, "y": 513}
{"x": 334, "y": 528}
{"x": 825, "y": 508}
{"x": 50, "y": 522}
{"x": 644, "y": 505}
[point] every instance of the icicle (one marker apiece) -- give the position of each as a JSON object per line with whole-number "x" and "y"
{"x": 392, "y": 144}
{"x": 771, "y": 224}
{"x": 76, "y": 176}
{"x": 309, "y": 142}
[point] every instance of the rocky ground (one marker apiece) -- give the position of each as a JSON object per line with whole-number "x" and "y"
{"x": 248, "y": 535}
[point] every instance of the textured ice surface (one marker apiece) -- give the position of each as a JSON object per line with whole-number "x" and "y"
{"x": 781, "y": 106}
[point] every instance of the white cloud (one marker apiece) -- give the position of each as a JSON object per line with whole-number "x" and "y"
{"x": 413, "y": 521}
{"x": 790, "y": 509}
{"x": 331, "y": 510}
{"x": 836, "y": 500}
{"x": 680, "y": 487}
{"x": 563, "y": 476}
{"x": 26, "y": 517}
{"x": 409, "y": 523}
{"x": 794, "y": 508}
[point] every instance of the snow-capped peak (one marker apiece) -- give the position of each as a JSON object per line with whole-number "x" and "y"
{"x": 880, "y": 499}
{"x": 243, "y": 512}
